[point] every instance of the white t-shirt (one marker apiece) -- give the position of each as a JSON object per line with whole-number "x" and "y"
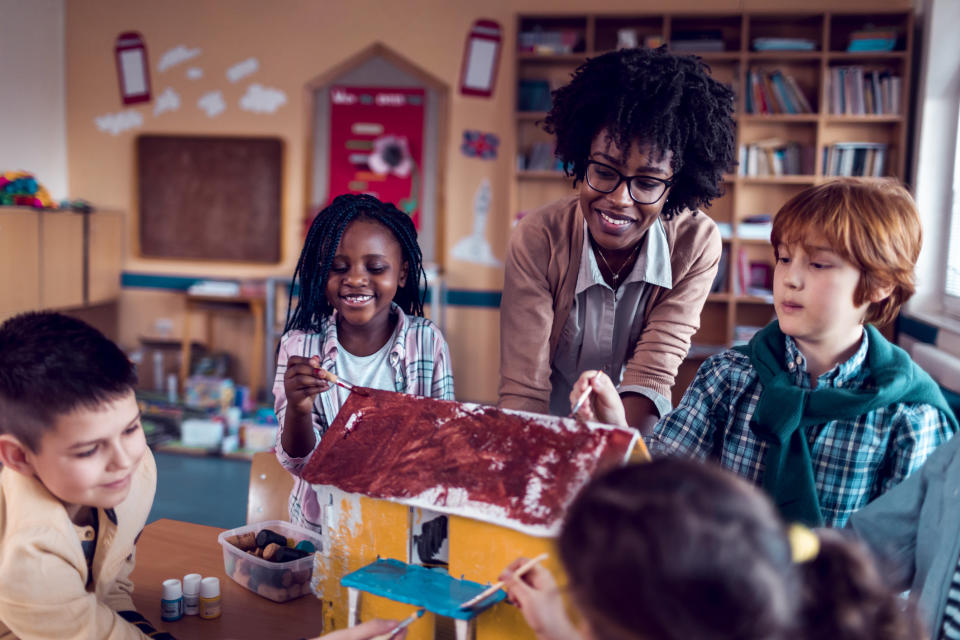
{"x": 373, "y": 371}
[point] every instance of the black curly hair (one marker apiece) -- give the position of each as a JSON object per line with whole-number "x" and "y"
{"x": 656, "y": 97}
{"x": 321, "y": 244}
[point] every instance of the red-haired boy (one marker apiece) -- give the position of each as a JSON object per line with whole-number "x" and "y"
{"x": 819, "y": 408}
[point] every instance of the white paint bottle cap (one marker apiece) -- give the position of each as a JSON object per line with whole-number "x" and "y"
{"x": 172, "y": 589}
{"x": 210, "y": 587}
{"x": 191, "y": 583}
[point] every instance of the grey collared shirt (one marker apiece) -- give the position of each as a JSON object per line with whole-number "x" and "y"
{"x": 604, "y": 325}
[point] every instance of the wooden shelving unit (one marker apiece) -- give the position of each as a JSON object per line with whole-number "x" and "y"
{"x": 591, "y": 34}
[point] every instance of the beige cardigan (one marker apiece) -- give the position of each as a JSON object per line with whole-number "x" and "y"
{"x": 43, "y": 571}
{"x": 539, "y": 282}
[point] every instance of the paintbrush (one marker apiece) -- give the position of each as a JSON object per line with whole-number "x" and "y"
{"x": 400, "y": 627}
{"x": 583, "y": 396}
{"x": 489, "y": 591}
{"x": 332, "y": 378}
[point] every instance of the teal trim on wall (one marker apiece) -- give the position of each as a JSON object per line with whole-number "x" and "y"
{"x": 455, "y": 297}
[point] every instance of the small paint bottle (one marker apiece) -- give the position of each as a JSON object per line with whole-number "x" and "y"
{"x": 210, "y": 598}
{"x": 191, "y": 594}
{"x": 171, "y": 602}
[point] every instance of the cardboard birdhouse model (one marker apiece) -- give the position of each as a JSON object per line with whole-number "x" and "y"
{"x": 465, "y": 487}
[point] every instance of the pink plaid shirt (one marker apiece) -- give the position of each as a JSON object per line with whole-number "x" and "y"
{"x": 421, "y": 363}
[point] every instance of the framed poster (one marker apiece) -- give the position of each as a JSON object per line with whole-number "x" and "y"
{"x": 376, "y": 144}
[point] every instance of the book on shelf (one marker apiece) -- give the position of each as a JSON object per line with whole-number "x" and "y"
{"x": 783, "y": 44}
{"x": 697, "y": 40}
{"x": 775, "y": 157}
{"x": 533, "y": 94}
{"x": 873, "y": 40}
{"x": 550, "y": 42}
{"x": 757, "y": 227}
{"x": 775, "y": 92}
{"x": 855, "y": 91}
{"x": 862, "y": 159}
{"x": 540, "y": 157}
{"x": 723, "y": 269}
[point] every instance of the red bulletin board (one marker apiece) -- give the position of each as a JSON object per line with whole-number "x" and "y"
{"x": 388, "y": 122}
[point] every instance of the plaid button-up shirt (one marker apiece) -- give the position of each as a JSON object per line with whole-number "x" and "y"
{"x": 420, "y": 360}
{"x": 854, "y": 461}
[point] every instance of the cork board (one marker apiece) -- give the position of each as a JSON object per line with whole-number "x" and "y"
{"x": 210, "y": 198}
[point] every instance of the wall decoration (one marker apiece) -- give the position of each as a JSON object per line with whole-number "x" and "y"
{"x": 132, "y": 68}
{"x": 376, "y": 144}
{"x": 212, "y": 103}
{"x": 477, "y": 144}
{"x": 175, "y": 56}
{"x": 194, "y": 73}
{"x": 242, "y": 69}
{"x": 475, "y": 248}
{"x": 260, "y": 99}
{"x": 116, "y": 123}
{"x": 169, "y": 100}
{"x": 481, "y": 57}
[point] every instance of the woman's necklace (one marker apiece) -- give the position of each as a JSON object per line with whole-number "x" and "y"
{"x": 616, "y": 274}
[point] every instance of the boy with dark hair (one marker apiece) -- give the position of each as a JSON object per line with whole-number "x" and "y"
{"x": 615, "y": 276}
{"x": 819, "y": 408}
{"x": 77, "y": 482}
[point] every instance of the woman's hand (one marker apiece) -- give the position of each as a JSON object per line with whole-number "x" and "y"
{"x": 538, "y": 597}
{"x": 365, "y": 631}
{"x": 302, "y": 381}
{"x": 604, "y": 403}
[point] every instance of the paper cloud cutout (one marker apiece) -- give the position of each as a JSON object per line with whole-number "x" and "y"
{"x": 212, "y": 103}
{"x": 115, "y": 123}
{"x": 242, "y": 69}
{"x": 169, "y": 100}
{"x": 175, "y": 56}
{"x": 194, "y": 73}
{"x": 260, "y": 99}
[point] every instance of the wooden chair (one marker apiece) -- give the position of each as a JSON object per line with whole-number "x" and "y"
{"x": 270, "y": 486}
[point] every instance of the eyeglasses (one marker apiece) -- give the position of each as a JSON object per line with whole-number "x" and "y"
{"x": 643, "y": 189}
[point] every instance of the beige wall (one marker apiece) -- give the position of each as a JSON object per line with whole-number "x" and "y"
{"x": 294, "y": 42}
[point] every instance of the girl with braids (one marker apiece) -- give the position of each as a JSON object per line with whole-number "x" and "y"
{"x": 359, "y": 315}
{"x": 617, "y": 274}
{"x": 679, "y": 550}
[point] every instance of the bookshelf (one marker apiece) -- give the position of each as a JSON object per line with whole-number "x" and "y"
{"x": 741, "y": 46}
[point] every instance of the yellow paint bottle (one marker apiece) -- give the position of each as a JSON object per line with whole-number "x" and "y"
{"x": 210, "y": 598}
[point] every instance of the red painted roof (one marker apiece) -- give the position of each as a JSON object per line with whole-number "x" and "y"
{"x": 512, "y": 468}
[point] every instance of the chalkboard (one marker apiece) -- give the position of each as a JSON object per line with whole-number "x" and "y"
{"x": 210, "y": 198}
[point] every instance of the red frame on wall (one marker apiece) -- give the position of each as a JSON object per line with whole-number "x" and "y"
{"x": 130, "y": 41}
{"x": 488, "y": 32}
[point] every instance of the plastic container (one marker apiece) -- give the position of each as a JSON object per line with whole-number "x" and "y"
{"x": 277, "y": 581}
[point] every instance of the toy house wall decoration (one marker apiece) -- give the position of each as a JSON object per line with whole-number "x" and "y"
{"x": 503, "y": 479}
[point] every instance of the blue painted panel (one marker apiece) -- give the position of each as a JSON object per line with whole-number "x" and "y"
{"x": 433, "y": 590}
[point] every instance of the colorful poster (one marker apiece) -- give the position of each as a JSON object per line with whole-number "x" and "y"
{"x": 376, "y": 144}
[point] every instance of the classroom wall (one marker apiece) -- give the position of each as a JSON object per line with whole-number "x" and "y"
{"x": 295, "y": 41}
{"x": 33, "y": 134}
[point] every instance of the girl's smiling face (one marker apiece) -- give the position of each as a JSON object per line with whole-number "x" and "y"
{"x": 366, "y": 272}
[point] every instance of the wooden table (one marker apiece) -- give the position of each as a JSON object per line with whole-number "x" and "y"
{"x": 172, "y": 549}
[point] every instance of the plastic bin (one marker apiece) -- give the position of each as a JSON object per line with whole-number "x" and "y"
{"x": 277, "y": 581}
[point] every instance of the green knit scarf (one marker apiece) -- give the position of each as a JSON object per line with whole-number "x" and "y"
{"x": 785, "y": 410}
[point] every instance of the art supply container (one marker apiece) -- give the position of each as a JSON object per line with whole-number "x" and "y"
{"x": 171, "y": 603}
{"x": 277, "y": 581}
{"x": 191, "y": 594}
{"x": 210, "y": 598}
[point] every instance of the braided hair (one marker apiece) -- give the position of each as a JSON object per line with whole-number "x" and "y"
{"x": 321, "y": 244}
{"x": 655, "y": 97}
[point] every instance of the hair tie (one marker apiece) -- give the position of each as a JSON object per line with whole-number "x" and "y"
{"x": 804, "y": 543}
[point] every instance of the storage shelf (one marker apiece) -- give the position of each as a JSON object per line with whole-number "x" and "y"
{"x": 778, "y": 179}
{"x": 830, "y": 30}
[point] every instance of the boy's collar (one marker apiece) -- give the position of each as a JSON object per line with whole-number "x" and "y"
{"x": 841, "y": 374}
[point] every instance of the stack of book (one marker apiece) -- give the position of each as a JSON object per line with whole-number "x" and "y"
{"x": 855, "y": 159}
{"x": 783, "y": 44}
{"x": 545, "y": 42}
{"x": 775, "y": 92}
{"x": 873, "y": 40}
{"x": 775, "y": 158}
{"x": 856, "y": 91}
{"x": 694, "y": 40}
{"x": 540, "y": 157}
